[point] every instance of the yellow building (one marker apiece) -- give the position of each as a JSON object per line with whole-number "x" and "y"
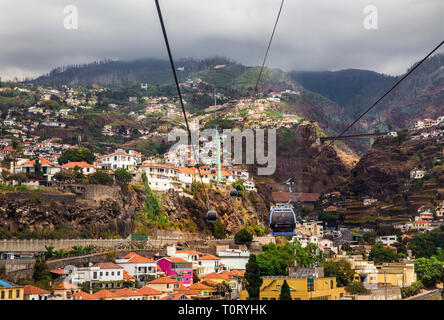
{"x": 10, "y": 291}
{"x": 300, "y": 289}
{"x": 397, "y": 274}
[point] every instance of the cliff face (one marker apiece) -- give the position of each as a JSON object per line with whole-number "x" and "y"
{"x": 235, "y": 213}
{"x": 296, "y": 158}
{"x": 384, "y": 173}
{"x": 44, "y": 211}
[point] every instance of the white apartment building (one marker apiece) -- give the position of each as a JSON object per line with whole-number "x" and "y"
{"x": 137, "y": 266}
{"x": 119, "y": 159}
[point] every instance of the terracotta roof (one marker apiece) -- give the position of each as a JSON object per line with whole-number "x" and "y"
{"x": 189, "y": 252}
{"x": 139, "y": 259}
{"x": 147, "y": 291}
{"x": 199, "y": 286}
{"x": 81, "y": 164}
{"x": 177, "y": 296}
{"x": 173, "y": 259}
{"x": 209, "y": 257}
{"x": 107, "y": 265}
{"x": 215, "y": 275}
{"x": 421, "y": 221}
{"x": 163, "y": 280}
{"x": 29, "y": 289}
{"x": 129, "y": 255}
{"x": 43, "y": 161}
{"x": 126, "y": 292}
{"x": 127, "y": 276}
{"x": 104, "y": 293}
{"x": 59, "y": 271}
{"x": 81, "y": 295}
{"x": 208, "y": 281}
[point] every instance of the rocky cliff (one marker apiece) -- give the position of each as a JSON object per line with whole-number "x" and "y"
{"x": 47, "y": 212}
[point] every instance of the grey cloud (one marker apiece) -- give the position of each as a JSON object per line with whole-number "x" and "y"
{"x": 311, "y": 35}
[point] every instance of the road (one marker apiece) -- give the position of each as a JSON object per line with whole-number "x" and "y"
{"x": 433, "y": 294}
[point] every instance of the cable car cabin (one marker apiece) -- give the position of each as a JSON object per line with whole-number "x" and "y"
{"x": 211, "y": 215}
{"x": 234, "y": 193}
{"x": 282, "y": 220}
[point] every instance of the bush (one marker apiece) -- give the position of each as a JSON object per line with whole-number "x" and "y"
{"x": 100, "y": 177}
{"x": 356, "y": 288}
{"x": 243, "y": 237}
{"x": 123, "y": 176}
{"x": 412, "y": 290}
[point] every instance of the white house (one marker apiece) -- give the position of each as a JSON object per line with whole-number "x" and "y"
{"x": 387, "y": 240}
{"x": 234, "y": 258}
{"x": 137, "y": 266}
{"x": 161, "y": 177}
{"x": 119, "y": 159}
{"x": 208, "y": 264}
{"x": 87, "y": 168}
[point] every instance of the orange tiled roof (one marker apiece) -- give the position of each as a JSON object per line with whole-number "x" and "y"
{"x": 173, "y": 259}
{"x": 126, "y": 292}
{"x": 29, "y": 289}
{"x": 127, "y": 276}
{"x": 189, "y": 252}
{"x": 177, "y": 296}
{"x": 81, "y": 295}
{"x": 163, "y": 280}
{"x": 58, "y": 271}
{"x": 43, "y": 161}
{"x": 138, "y": 259}
{"x": 129, "y": 255}
{"x": 104, "y": 293}
{"x": 81, "y": 164}
{"x": 215, "y": 275}
{"x": 209, "y": 257}
{"x": 199, "y": 286}
{"x": 147, "y": 291}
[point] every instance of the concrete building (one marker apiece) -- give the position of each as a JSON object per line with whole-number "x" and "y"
{"x": 300, "y": 288}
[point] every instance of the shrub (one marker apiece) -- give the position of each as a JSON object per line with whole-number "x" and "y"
{"x": 243, "y": 237}
{"x": 100, "y": 177}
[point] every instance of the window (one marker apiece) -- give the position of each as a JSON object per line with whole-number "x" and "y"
{"x": 94, "y": 275}
{"x": 310, "y": 285}
{"x": 101, "y": 274}
{"x": 17, "y": 293}
{"x": 10, "y": 294}
{"x": 112, "y": 273}
{"x": 107, "y": 273}
{"x": 118, "y": 273}
{"x": 3, "y": 295}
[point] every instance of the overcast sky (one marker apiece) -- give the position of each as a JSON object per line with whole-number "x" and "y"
{"x": 311, "y": 35}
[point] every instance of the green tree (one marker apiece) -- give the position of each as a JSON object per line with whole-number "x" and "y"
{"x": 285, "y": 292}
{"x": 380, "y": 254}
{"x": 77, "y": 155}
{"x": 253, "y": 278}
{"x": 424, "y": 245}
{"x": 243, "y": 237}
{"x": 356, "y": 288}
{"x": 429, "y": 271}
{"x": 123, "y": 176}
{"x": 41, "y": 271}
{"x": 369, "y": 237}
{"x": 100, "y": 177}
{"x": 218, "y": 230}
{"x": 340, "y": 269}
